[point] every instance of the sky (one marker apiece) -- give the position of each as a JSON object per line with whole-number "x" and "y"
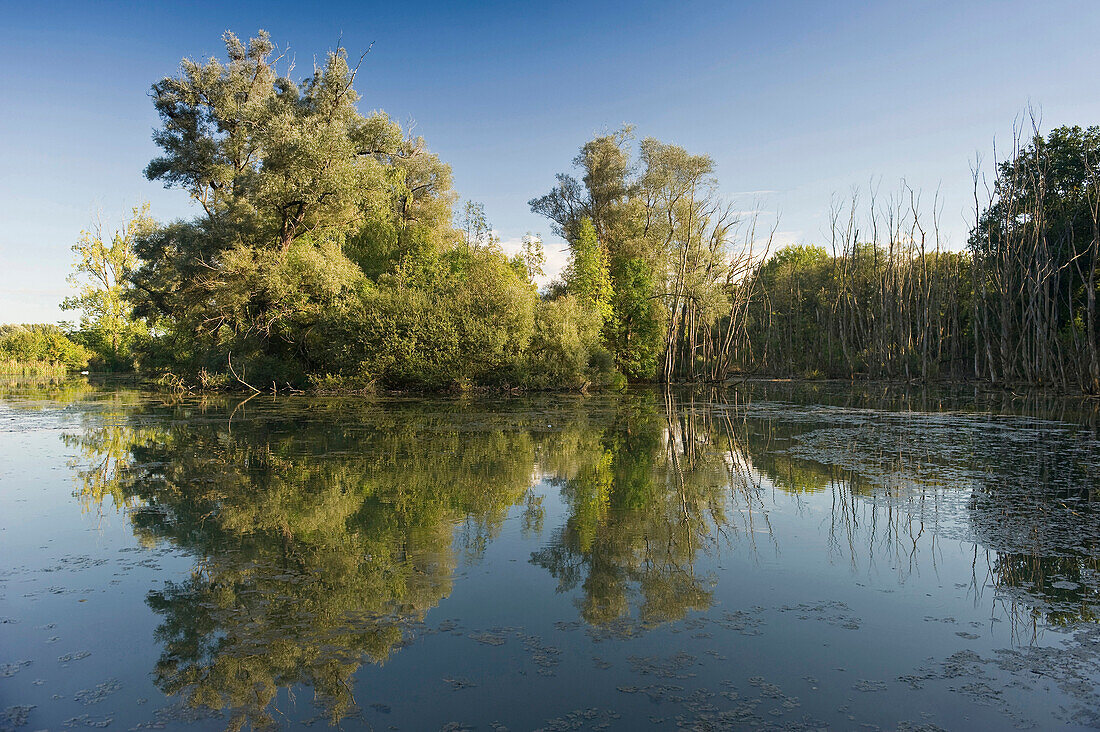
{"x": 796, "y": 102}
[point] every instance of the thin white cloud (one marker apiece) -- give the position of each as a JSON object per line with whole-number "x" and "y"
{"x": 557, "y": 257}
{"x": 779, "y": 240}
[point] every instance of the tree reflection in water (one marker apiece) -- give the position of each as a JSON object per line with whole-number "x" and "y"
{"x": 662, "y": 482}
{"x": 324, "y": 530}
{"x": 316, "y": 545}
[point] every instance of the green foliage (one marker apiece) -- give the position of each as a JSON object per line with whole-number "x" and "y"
{"x": 1036, "y": 249}
{"x": 531, "y": 257}
{"x": 272, "y": 311}
{"x": 865, "y": 311}
{"x": 269, "y": 159}
{"x": 474, "y": 227}
{"x": 101, "y": 275}
{"x": 1056, "y": 173}
{"x": 39, "y": 350}
{"x": 655, "y": 225}
{"x": 636, "y": 328}
{"x": 799, "y": 290}
{"x": 587, "y": 278}
{"x": 446, "y": 319}
{"x": 566, "y": 352}
{"x": 607, "y": 194}
{"x": 329, "y": 252}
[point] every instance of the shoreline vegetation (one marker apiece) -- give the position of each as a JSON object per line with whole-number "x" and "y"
{"x": 39, "y": 350}
{"x": 331, "y": 254}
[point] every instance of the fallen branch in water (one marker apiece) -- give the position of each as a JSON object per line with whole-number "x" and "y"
{"x": 238, "y": 378}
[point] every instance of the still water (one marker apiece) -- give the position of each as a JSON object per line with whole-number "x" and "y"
{"x": 764, "y": 557}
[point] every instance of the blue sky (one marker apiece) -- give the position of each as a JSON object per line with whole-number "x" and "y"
{"x": 796, "y": 101}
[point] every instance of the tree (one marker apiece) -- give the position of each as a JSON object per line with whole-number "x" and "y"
{"x": 101, "y": 274}
{"x": 636, "y": 329}
{"x": 587, "y": 276}
{"x": 532, "y": 256}
{"x": 606, "y": 193}
{"x": 475, "y": 228}
{"x": 271, "y": 159}
{"x": 314, "y": 216}
{"x": 668, "y": 239}
{"x": 38, "y": 349}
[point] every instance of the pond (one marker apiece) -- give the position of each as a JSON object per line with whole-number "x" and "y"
{"x": 768, "y": 556}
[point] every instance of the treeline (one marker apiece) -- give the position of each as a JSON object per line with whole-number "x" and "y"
{"x": 885, "y": 298}
{"x": 1018, "y": 306}
{"x": 328, "y": 253}
{"x": 892, "y": 304}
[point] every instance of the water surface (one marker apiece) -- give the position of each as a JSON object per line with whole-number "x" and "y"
{"x": 769, "y": 557}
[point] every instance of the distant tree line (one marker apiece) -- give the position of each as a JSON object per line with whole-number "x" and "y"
{"x": 39, "y": 350}
{"x": 328, "y": 253}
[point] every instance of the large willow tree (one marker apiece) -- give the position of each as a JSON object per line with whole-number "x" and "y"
{"x": 271, "y": 159}
{"x": 294, "y": 185}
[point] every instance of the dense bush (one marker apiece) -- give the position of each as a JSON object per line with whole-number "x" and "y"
{"x": 566, "y": 349}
